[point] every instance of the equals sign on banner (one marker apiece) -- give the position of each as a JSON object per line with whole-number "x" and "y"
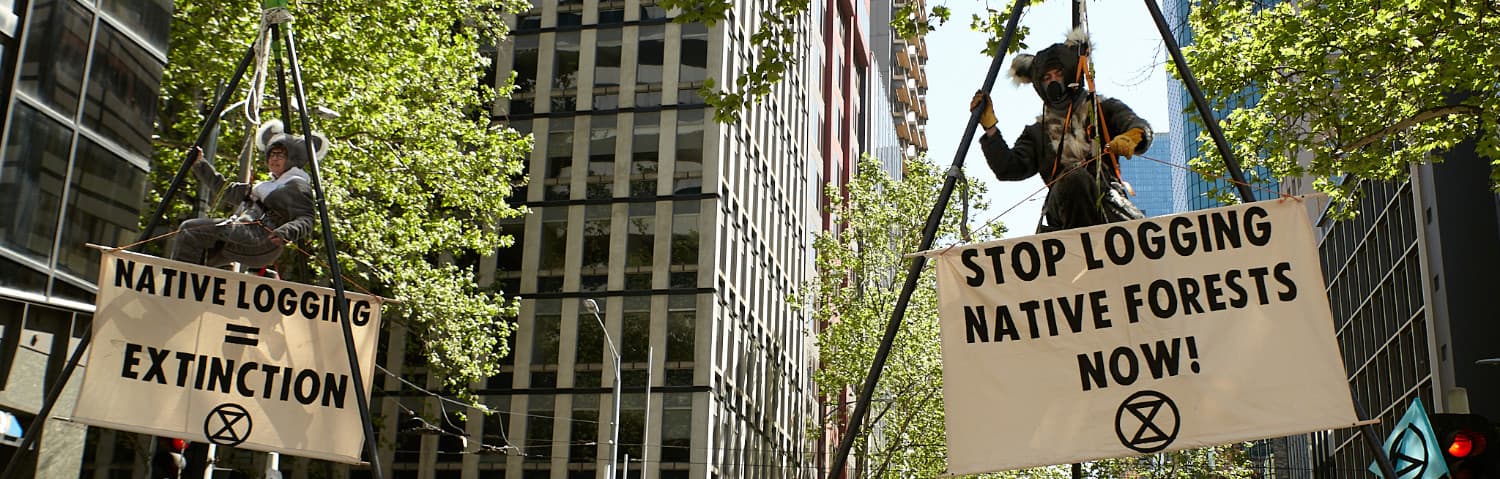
{"x": 248, "y": 333}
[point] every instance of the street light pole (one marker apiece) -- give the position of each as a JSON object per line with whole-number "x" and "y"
{"x": 614, "y": 420}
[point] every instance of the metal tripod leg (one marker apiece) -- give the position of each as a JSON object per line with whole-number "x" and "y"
{"x": 1191, "y": 82}
{"x": 914, "y": 272}
{"x": 340, "y": 307}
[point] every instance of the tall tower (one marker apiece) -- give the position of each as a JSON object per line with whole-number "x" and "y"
{"x": 690, "y": 235}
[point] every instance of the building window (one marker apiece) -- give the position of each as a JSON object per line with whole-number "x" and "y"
{"x": 685, "y": 235}
{"x": 651, "y": 54}
{"x": 524, "y": 64}
{"x": 508, "y": 259}
{"x": 602, "y": 133}
{"x": 35, "y": 162}
{"x": 640, "y": 235}
{"x": 545, "y": 331}
{"x": 552, "y": 245}
{"x": 644, "y": 155}
{"x": 539, "y": 427}
{"x": 57, "y": 45}
{"x": 590, "y": 349}
{"x": 635, "y": 327}
{"x": 565, "y": 62}
{"x": 583, "y": 445}
{"x": 122, "y": 89}
{"x": 103, "y": 207}
{"x": 496, "y": 426}
{"x": 559, "y": 159}
{"x": 148, "y": 18}
{"x": 688, "y": 168}
{"x": 596, "y": 237}
{"x": 677, "y": 427}
{"x": 607, "y": 58}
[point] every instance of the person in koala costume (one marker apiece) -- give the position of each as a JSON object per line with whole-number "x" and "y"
{"x": 1083, "y": 192}
{"x": 268, "y": 214}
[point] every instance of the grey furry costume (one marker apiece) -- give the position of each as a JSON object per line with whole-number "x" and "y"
{"x": 285, "y": 206}
{"x": 1080, "y": 196}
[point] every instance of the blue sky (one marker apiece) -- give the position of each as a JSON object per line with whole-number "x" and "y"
{"x": 1129, "y": 60}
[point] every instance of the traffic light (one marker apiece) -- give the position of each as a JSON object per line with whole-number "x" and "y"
{"x": 1470, "y": 445}
{"x": 167, "y": 462}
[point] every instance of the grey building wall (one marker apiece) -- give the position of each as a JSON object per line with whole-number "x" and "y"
{"x": 78, "y": 89}
{"x": 1404, "y": 281}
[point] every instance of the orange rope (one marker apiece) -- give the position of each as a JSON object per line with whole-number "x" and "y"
{"x": 1220, "y": 177}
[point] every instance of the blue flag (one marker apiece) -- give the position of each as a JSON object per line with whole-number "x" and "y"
{"x": 1413, "y": 447}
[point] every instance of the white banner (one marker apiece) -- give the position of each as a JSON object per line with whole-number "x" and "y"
{"x": 205, "y": 354}
{"x": 1169, "y": 333}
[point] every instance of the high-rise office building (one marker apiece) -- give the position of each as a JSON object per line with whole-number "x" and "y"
{"x": 1195, "y": 191}
{"x": 79, "y": 96}
{"x": 691, "y": 237}
{"x": 1406, "y": 280}
{"x": 902, "y": 63}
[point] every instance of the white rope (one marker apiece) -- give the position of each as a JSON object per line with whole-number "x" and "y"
{"x": 268, "y": 18}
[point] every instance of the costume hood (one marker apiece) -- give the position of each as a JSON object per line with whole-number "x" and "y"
{"x": 1027, "y": 68}
{"x": 272, "y": 134}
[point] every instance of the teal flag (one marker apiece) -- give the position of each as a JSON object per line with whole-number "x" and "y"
{"x": 1413, "y": 447}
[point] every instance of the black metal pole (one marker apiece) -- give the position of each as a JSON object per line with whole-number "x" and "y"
{"x": 340, "y": 305}
{"x": 1207, "y": 114}
{"x": 1372, "y": 441}
{"x": 1191, "y": 82}
{"x": 914, "y": 272}
{"x": 286, "y": 108}
{"x": 192, "y": 156}
{"x": 209, "y": 123}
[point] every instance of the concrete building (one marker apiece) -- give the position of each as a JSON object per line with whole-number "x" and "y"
{"x": 690, "y": 236}
{"x": 78, "y": 88}
{"x": 1405, "y": 278}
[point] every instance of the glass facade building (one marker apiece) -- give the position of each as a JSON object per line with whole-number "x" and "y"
{"x": 1406, "y": 280}
{"x": 79, "y": 93}
{"x": 1151, "y": 176}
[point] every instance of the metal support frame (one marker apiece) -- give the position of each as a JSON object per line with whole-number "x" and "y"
{"x": 1191, "y": 82}
{"x": 282, "y": 32}
{"x": 330, "y": 246}
{"x": 862, "y": 402}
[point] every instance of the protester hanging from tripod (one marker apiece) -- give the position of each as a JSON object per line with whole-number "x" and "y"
{"x": 268, "y": 214}
{"x": 1074, "y": 144}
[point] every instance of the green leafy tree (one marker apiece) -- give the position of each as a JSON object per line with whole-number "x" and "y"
{"x": 860, "y": 274}
{"x": 417, "y": 171}
{"x": 1221, "y": 462}
{"x": 1365, "y": 87}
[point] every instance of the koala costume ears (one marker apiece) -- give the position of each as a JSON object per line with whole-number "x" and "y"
{"x": 272, "y": 133}
{"x": 1024, "y": 68}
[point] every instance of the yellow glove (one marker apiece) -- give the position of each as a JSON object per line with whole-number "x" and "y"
{"x": 1124, "y": 144}
{"x": 987, "y": 117}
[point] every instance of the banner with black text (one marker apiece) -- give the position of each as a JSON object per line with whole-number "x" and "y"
{"x": 1168, "y": 333}
{"x": 205, "y": 354}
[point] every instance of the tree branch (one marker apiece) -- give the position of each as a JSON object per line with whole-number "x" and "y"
{"x": 1420, "y": 117}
